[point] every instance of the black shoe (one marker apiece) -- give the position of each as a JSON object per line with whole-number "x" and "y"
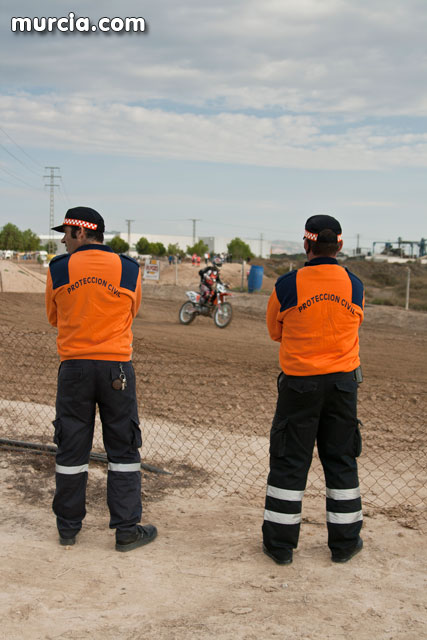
{"x": 143, "y": 535}
{"x": 346, "y": 556}
{"x": 67, "y": 542}
{"x": 286, "y": 559}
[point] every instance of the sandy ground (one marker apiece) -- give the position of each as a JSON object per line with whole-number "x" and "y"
{"x": 205, "y": 576}
{"x": 22, "y": 277}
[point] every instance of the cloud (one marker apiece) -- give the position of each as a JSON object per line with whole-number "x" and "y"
{"x": 303, "y": 56}
{"x": 303, "y": 84}
{"x": 80, "y": 125}
{"x": 369, "y": 204}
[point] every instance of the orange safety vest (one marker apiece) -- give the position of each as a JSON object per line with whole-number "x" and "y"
{"x": 315, "y": 314}
{"x": 92, "y": 297}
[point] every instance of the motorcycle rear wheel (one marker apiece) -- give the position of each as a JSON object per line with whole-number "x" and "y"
{"x": 223, "y": 315}
{"x": 187, "y": 313}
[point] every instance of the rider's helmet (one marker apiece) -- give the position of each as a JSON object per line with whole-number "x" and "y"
{"x": 217, "y": 262}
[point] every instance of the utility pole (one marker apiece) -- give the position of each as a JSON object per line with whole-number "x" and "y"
{"x": 194, "y": 220}
{"x": 261, "y": 238}
{"x": 129, "y": 223}
{"x": 408, "y": 284}
{"x": 52, "y": 176}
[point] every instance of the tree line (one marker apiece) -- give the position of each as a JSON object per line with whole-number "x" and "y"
{"x": 239, "y": 249}
{"x": 16, "y": 240}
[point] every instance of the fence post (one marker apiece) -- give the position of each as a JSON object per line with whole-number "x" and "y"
{"x": 242, "y": 286}
{"x": 408, "y": 282}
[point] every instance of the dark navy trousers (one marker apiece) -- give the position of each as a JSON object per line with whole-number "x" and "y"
{"x": 309, "y": 409}
{"x": 83, "y": 384}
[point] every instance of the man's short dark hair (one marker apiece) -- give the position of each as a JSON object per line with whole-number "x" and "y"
{"x": 326, "y": 244}
{"x": 98, "y": 236}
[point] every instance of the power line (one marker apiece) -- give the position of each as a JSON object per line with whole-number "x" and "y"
{"x": 242, "y": 226}
{"x": 245, "y": 226}
{"x": 10, "y": 182}
{"x": 64, "y": 191}
{"x": 24, "y": 164}
{"x": 66, "y": 202}
{"x": 20, "y": 179}
{"x": 23, "y": 150}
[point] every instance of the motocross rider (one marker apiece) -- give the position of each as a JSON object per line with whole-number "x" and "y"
{"x": 209, "y": 276}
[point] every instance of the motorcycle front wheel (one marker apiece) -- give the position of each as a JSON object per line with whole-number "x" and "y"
{"x": 187, "y": 313}
{"x": 223, "y": 314}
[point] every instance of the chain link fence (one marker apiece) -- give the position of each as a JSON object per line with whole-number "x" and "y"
{"x": 221, "y": 436}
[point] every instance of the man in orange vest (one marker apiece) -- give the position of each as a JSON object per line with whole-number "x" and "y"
{"x": 92, "y": 297}
{"x": 315, "y": 314}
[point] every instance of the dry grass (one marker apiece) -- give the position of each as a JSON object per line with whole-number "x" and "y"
{"x": 385, "y": 283}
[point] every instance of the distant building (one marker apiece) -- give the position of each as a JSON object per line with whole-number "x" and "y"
{"x": 182, "y": 241}
{"x": 60, "y": 248}
{"x": 218, "y": 244}
{"x": 280, "y": 246}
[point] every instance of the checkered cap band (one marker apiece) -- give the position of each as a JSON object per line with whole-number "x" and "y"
{"x": 310, "y": 236}
{"x": 313, "y": 236}
{"x": 79, "y": 223}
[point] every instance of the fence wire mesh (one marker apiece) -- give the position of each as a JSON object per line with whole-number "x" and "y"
{"x": 221, "y": 433}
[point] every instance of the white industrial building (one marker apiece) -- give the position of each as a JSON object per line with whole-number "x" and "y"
{"x": 56, "y": 238}
{"x": 218, "y": 244}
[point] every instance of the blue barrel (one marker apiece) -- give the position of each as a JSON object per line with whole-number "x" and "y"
{"x": 255, "y": 278}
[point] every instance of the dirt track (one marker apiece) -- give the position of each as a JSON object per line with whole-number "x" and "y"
{"x": 205, "y": 576}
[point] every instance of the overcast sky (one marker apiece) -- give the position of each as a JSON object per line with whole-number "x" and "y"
{"x": 249, "y": 116}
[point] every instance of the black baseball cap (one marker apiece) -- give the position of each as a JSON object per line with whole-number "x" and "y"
{"x": 82, "y": 217}
{"x": 319, "y": 223}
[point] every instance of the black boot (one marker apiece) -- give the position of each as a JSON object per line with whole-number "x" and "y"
{"x": 143, "y": 535}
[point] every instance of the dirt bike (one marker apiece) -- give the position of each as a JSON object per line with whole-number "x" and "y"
{"x": 218, "y": 309}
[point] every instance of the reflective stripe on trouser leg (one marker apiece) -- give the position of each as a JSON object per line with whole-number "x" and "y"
{"x": 124, "y": 495}
{"x": 71, "y": 470}
{"x": 338, "y": 444}
{"x": 124, "y": 467}
{"x": 282, "y": 518}
{"x": 74, "y": 423}
{"x": 343, "y": 516}
{"x": 118, "y": 411}
{"x": 69, "y": 500}
{"x": 292, "y": 438}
